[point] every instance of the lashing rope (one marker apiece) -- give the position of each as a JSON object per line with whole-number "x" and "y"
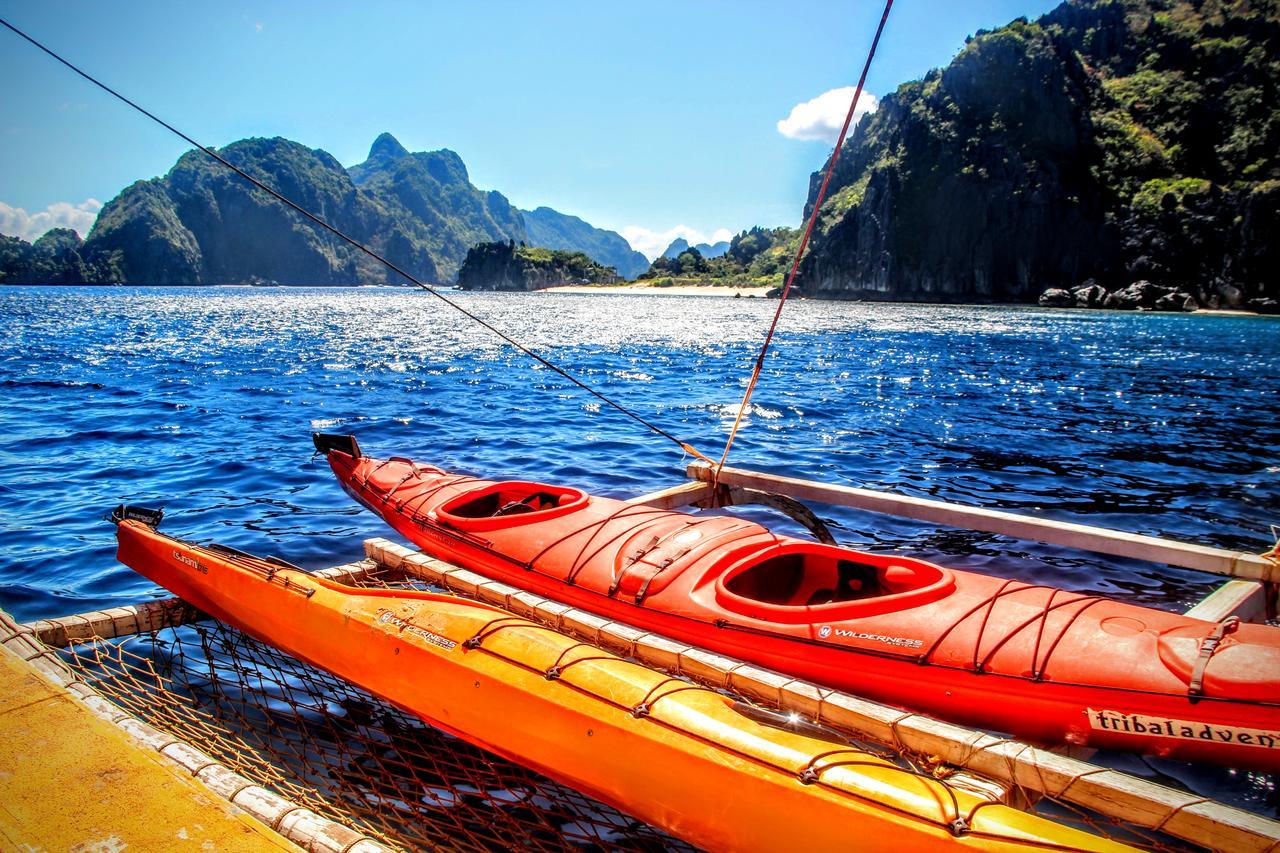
{"x": 1273, "y": 553}
{"x": 544, "y": 361}
{"x": 804, "y": 244}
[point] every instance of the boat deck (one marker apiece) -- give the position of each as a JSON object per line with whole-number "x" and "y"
{"x": 67, "y": 777}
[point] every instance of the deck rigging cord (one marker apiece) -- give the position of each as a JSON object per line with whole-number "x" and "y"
{"x": 550, "y": 365}
{"x": 545, "y": 362}
{"x": 804, "y": 243}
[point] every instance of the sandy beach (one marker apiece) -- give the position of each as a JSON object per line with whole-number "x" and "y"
{"x": 635, "y": 288}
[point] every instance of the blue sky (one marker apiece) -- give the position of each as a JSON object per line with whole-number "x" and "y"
{"x": 640, "y": 117}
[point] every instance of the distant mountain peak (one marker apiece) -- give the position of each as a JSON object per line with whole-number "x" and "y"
{"x": 388, "y": 147}
{"x": 707, "y": 250}
{"x": 677, "y": 246}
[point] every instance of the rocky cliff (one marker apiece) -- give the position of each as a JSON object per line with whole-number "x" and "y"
{"x": 202, "y": 224}
{"x": 551, "y": 229}
{"x": 1111, "y": 139}
{"x": 508, "y": 266}
{"x": 432, "y": 204}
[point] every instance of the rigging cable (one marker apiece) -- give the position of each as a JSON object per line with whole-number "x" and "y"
{"x": 545, "y": 362}
{"x": 804, "y": 243}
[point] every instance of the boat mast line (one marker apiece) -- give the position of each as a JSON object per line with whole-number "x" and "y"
{"x": 804, "y": 243}
{"x": 545, "y": 362}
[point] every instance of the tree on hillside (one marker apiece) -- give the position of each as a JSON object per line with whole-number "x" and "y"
{"x": 691, "y": 262}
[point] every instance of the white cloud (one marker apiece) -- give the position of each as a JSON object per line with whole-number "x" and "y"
{"x": 652, "y": 243}
{"x": 16, "y": 222}
{"x": 822, "y": 117}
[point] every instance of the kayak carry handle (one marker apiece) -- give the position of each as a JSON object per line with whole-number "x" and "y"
{"x": 327, "y": 442}
{"x": 150, "y": 517}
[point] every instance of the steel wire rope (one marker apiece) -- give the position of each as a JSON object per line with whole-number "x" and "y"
{"x": 804, "y": 243}
{"x": 550, "y": 365}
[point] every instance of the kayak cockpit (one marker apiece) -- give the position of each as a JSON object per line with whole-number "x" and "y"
{"x": 499, "y": 505}
{"x": 800, "y": 582}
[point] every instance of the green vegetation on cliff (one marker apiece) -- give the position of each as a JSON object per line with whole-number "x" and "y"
{"x": 202, "y": 224}
{"x": 55, "y": 258}
{"x": 508, "y": 266}
{"x": 1115, "y": 139}
{"x": 429, "y": 198}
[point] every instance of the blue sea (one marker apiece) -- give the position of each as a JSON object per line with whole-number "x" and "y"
{"x": 202, "y": 401}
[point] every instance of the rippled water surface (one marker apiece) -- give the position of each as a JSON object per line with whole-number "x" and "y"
{"x": 202, "y": 401}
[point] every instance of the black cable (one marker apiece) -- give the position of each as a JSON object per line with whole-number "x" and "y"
{"x": 357, "y": 244}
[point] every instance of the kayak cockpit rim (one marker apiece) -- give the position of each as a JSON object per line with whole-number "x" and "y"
{"x": 508, "y": 503}
{"x": 805, "y": 582}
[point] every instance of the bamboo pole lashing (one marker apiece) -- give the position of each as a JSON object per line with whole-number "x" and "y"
{"x": 1100, "y": 540}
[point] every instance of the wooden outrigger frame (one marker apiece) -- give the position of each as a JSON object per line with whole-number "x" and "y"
{"x": 1249, "y": 594}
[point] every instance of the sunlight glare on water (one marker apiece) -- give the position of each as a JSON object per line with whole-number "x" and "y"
{"x": 201, "y": 400}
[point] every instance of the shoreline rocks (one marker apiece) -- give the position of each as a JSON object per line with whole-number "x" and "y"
{"x": 1143, "y": 295}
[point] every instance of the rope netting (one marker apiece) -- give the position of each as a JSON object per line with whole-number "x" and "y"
{"x": 328, "y": 745}
{"x": 345, "y": 754}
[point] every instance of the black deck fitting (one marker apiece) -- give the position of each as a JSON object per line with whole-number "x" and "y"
{"x": 150, "y": 517}
{"x": 328, "y": 441}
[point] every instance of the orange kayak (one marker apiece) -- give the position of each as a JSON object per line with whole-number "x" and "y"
{"x": 1041, "y": 663}
{"x": 677, "y": 756}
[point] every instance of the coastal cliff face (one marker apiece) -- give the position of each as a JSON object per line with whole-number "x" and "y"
{"x": 1111, "y": 139}
{"x": 508, "y": 266}
{"x": 431, "y": 204}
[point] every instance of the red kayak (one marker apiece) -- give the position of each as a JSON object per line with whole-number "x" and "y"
{"x": 1040, "y": 663}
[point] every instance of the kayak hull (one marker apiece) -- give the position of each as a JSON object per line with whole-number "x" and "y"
{"x": 1043, "y": 664}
